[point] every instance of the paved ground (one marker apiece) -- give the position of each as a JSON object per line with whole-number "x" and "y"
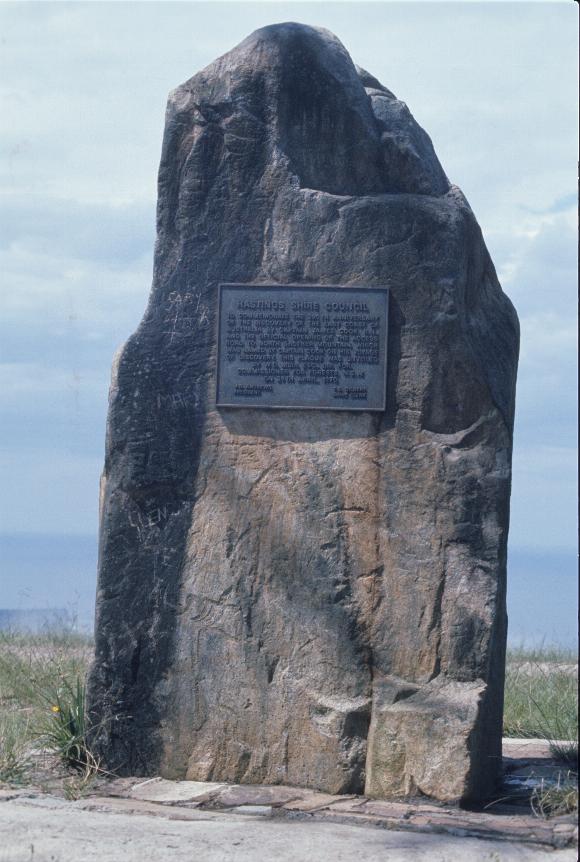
{"x": 130, "y": 819}
{"x": 48, "y": 829}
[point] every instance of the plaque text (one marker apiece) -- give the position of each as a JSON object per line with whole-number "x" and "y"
{"x": 302, "y": 346}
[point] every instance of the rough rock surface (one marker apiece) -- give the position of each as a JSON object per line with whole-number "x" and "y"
{"x": 302, "y": 597}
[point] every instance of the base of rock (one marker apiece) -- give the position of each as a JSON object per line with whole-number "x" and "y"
{"x": 421, "y": 741}
{"x": 526, "y": 764}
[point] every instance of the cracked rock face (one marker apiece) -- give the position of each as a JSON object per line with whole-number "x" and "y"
{"x": 302, "y": 597}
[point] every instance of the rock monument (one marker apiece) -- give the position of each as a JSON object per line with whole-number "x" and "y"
{"x": 305, "y": 502}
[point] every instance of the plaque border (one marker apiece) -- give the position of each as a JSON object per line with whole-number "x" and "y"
{"x": 320, "y": 287}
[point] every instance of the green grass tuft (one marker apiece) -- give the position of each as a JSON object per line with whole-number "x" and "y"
{"x": 64, "y": 729}
{"x": 37, "y": 673}
{"x": 14, "y": 748}
{"x": 541, "y": 699}
{"x": 554, "y": 800}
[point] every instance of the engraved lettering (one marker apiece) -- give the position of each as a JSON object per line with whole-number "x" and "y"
{"x": 302, "y": 347}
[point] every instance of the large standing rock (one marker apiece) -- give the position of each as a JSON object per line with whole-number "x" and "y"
{"x": 305, "y": 597}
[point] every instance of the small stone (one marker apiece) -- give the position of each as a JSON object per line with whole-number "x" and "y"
{"x": 311, "y": 801}
{"x": 253, "y": 810}
{"x": 248, "y": 794}
{"x": 171, "y": 792}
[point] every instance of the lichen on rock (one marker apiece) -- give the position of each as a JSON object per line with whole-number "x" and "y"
{"x": 302, "y": 597}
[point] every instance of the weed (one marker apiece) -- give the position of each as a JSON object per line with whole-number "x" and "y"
{"x": 64, "y": 730}
{"x": 38, "y": 672}
{"x": 33, "y": 664}
{"x": 544, "y": 652}
{"x": 553, "y": 800}
{"x": 77, "y": 786}
{"x": 541, "y": 699}
{"x": 566, "y": 752}
{"x": 14, "y": 749}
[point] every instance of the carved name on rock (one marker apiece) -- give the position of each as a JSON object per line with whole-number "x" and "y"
{"x": 308, "y": 597}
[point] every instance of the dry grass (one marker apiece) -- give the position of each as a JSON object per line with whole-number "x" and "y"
{"x": 554, "y": 800}
{"x": 541, "y": 699}
{"x": 37, "y": 675}
{"x": 42, "y": 705}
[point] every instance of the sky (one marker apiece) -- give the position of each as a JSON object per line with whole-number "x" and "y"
{"x": 82, "y": 94}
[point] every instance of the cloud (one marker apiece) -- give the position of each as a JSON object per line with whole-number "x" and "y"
{"x": 74, "y": 270}
{"x": 544, "y": 496}
{"x": 539, "y": 271}
{"x": 60, "y": 228}
{"x": 562, "y": 204}
{"x": 49, "y": 493}
{"x": 83, "y": 91}
{"x": 76, "y": 279}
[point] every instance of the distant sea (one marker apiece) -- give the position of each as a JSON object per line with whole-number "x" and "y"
{"x": 50, "y": 571}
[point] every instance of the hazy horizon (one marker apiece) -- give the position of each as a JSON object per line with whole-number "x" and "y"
{"x": 59, "y": 572}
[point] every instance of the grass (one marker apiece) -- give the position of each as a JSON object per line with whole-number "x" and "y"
{"x": 14, "y": 745}
{"x": 541, "y": 699}
{"x": 65, "y": 729}
{"x": 42, "y": 706}
{"x": 553, "y": 800}
{"x": 543, "y": 652}
{"x": 42, "y": 701}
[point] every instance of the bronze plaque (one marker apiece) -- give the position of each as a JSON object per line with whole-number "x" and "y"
{"x": 302, "y": 346}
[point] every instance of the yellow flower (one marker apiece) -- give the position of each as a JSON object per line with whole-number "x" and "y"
{"x": 55, "y": 708}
